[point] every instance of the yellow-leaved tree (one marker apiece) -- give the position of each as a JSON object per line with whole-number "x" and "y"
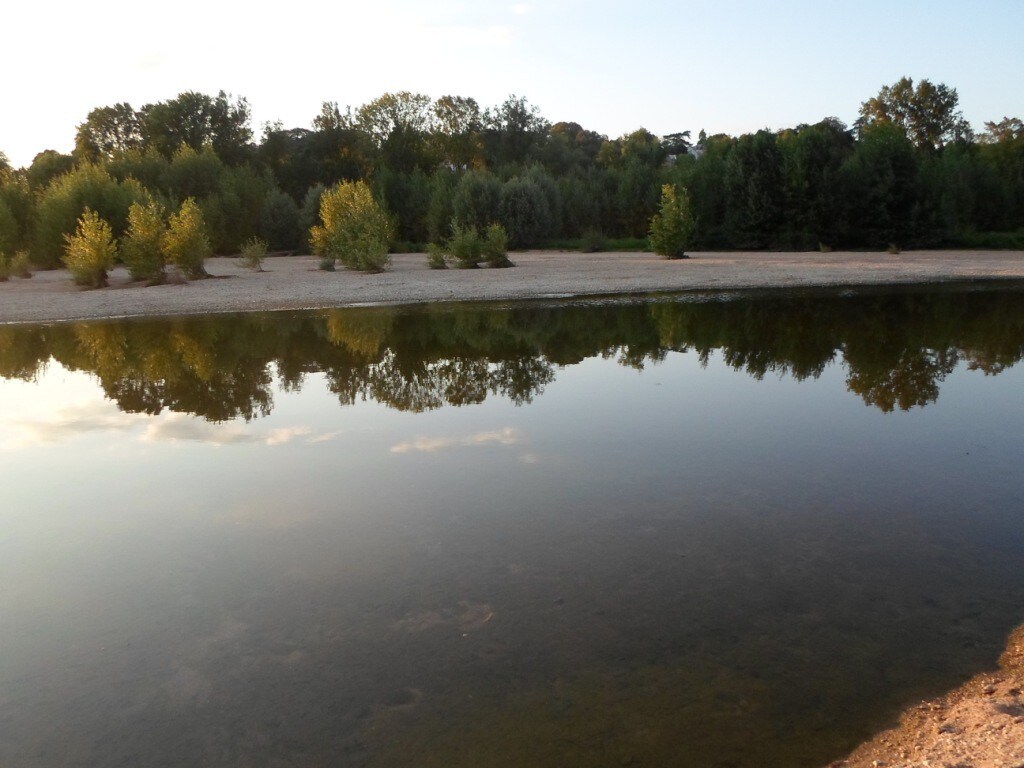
{"x": 142, "y": 248}
{"x": 355, "y": 229}
{"x": 90, "y": 252}
{"x": 186, "y": 244}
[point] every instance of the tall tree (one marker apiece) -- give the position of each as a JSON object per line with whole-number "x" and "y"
{"x": 928, "y": 114}
{"x": 108, "y": 131}
{"x": 197, "y": 120}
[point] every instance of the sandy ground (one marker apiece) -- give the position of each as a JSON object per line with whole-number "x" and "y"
{"x": 979, "y": 725}
{"x": 295, "y": 283}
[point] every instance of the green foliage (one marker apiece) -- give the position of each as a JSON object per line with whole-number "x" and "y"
{"x": 467, "y": 248}
{"x": 494, "y": 247}
{"x": 19, "y": 265}
{"x": 407, "y": 196}
{"x": 355, "y": 229}
{"x": 196, "y": 120}
{"x": 436, "y": 257}
{"x": 526, "y": 212}
{"x": 477, "y": 200}
{"x": 185, "y": 243}
{"x": 9, "y": 230}
{"x": 142, "y": 247}
{"x": 254, "y": 251}
{"x": 464, "y": 249}
{"x": 47, "y": 166}
{"x": 928, "y": 115}
{"x": 279, "y": 221}
{"x": 90, "y": 252}
{"x": 62, "y": 203}
{"x": 309, "y": 213}
{"x": 672, "y": 227}
{"x": 441, "y": 210}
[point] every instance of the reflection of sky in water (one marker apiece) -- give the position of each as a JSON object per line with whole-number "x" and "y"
{"x": 336, "y": 580}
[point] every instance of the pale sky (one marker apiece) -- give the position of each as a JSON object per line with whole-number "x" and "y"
{"x": 725, "y": 66}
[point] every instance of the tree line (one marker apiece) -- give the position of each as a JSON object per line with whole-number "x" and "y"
{"x": 909, "y": 172}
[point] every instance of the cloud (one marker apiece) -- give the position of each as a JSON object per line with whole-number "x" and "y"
{"x": 506, "y": 436}
{"x": 521, "y": 9}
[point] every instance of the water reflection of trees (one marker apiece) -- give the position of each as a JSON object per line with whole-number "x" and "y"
{"x": 896, "y": 347}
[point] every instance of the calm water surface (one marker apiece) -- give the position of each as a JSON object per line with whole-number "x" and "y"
{"x": 706, "y": 531}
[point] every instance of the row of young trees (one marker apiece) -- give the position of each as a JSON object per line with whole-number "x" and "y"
{"x": 909, "y": 171}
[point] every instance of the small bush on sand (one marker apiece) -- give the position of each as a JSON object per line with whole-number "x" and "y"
{"x": 90, "y": 252}
{"x": 893, "y": 249}
{"x": 464, "y": 248}
{"x": 186, "y": 244}
{"x": 494, "y": 247}
{"x": 254, "y": 251}
{"x": 142, "y": 248}
{"x": 824, "y": 248}
{"x": 436, "y": 257}
{"x": 355, "y": 228}
{"x": 672, "y": 227}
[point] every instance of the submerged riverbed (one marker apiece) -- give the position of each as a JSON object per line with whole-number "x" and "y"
{"x": 695, "y": 531}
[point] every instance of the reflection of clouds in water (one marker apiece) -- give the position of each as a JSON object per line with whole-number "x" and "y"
{"x": 177, "y": 427}
{"x": 89, "y": 418}
{"x": 506, "y": 436}
{"x": 66, "y": 423}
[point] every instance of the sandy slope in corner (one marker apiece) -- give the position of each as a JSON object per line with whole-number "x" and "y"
{"x": 294, "y": 282}
{"x": 980, "y": 725}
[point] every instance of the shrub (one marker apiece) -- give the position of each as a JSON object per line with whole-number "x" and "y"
{"x": 355, "y": 230}
{"x": 823, "y": 248}
{"x": 254, "y": 250}
{"x": 494, "y": 247}
{"x": 185, "y": 242}
{"x": 465, "y": 247}
{"x": 672, "y": 227}
{"x": 142, "y": 248}
{"x": 436, "y": 257}
{"x": 893, "y": 249}
{"x": 91, "y": 251}
{"x": 593, "y": 240}
{"x": 5, "y": 269}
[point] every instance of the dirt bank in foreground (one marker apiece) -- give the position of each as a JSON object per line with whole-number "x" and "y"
{"x": 295, "y": 282}
{"x": 979, "y": 725}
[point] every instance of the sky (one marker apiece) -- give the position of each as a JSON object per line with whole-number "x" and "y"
{"x": 726, "y": 66}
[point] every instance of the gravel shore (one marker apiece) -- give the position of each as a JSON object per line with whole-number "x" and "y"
{"x": 295, "y": 282}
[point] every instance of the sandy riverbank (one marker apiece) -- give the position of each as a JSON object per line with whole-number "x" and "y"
{"x": 295, "y": 282}
{"x": 980, "y": 724}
